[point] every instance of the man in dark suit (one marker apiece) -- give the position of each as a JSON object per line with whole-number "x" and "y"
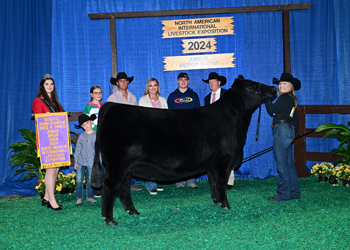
{"x": 215, "y": 82}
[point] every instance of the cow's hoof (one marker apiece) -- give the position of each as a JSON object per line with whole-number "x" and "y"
{"x": 225, "y": 207}
{"x": 112, "y": 223}
{"x": 216, "y": 202}
{"x": 133, "y": 213}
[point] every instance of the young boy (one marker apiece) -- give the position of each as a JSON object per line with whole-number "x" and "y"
{"x": 84, "y": 157}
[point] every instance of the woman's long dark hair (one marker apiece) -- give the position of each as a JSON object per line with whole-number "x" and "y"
{"x": 53, "y": 101}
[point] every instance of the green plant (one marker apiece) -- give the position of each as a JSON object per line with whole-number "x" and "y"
{"x": 67, "y": 181}
{"x": 343, "y": 133}
{"x": 342, "y": 172}
{"x": 323, "y": 169}
{"x": 26, "y": 156}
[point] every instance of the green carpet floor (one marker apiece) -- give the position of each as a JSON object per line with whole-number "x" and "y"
{"x": 186, "y": 219}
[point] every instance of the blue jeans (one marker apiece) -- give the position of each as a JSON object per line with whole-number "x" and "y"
{"x": 189, "y": 182}
{"x": 288, "y": 182}
{"x": 79, "y": 182}
{"x": 150, "y": 185}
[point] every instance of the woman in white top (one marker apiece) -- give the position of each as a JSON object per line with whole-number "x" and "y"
{"x": 152, "y": 99}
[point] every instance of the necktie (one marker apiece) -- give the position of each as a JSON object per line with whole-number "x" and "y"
{"x": 213, "y": 97}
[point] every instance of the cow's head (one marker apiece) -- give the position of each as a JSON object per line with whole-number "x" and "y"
{"x": 253, "y": 93}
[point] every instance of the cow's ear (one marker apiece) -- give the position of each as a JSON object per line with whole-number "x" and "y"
{"x": 234, "y": 85}
{"x": 240, "y": 77}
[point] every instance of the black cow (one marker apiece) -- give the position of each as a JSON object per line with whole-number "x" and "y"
{"x": 169, "y": 145}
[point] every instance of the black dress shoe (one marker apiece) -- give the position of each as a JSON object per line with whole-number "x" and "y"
{"x": 271, "y": 198}
{"x": 44, "y": 202}
{"x": 56, "y": 209}
{"x": 229, "y": 186}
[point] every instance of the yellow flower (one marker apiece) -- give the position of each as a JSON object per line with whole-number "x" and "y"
{"x": 59, "y": 188}
{"x": 72, "y": 181}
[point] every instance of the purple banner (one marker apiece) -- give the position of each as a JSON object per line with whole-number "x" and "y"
{"x": 53, "y": 132}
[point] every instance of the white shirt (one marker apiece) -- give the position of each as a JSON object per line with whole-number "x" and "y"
{"x": 145, "y": 101}
{"x": 118, "y": 97}
{"x": 217, "y": 95}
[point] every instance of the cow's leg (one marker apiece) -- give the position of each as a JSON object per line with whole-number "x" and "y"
{"x": 212, "y": 182}
{"x": 125, "y": 196}
{"x": 221, "y": 178}
{"x": 109, "y": 193}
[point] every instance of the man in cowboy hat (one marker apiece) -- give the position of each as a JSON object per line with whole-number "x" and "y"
{"x": 215, "y": 82}
{"x": 123, "y": 95}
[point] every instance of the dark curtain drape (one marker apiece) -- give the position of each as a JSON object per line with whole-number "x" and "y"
{"x": 63, "y": 41}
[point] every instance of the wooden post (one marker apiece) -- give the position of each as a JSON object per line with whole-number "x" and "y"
{"x": 113, "y": 36}
{"x": 301, "y": 155}
{"x": 300, "y": 146}
{"x": 286, "y": 42}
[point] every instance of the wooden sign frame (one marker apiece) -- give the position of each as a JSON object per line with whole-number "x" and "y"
{"x": 208, "y": 11}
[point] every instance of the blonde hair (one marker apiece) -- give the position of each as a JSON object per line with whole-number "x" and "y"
{"x": 148, "y": 83}
{"x": 292, "y": 94}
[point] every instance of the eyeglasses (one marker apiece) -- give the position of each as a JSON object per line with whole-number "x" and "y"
{"x": 97, "y": 93}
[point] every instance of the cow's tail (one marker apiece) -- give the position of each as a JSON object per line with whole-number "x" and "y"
{"x": 96, "y": 173}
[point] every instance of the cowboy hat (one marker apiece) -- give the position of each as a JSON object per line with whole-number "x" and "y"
{"x": 214, "y": 75}
{"x": 84, "y": 118}
{"x": 121, "y": 75}
{"x": 286, "y": 77}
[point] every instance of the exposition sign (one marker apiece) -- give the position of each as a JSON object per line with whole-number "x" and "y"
{"x": 198, "y": 27}
{"x": 53, "y": 139}
{"x": 193, "y": 28}
{"x": 211, "y": 61}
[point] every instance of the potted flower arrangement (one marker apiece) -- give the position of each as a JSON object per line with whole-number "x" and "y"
{"x": 323, "y": 171}
{"x": 66, "y": 182}
{"x": 342, "y": 173}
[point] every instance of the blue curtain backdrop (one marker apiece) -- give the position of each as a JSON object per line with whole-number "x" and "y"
{"x": 25, "y": 56}
{"x": 58, "y": 37}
